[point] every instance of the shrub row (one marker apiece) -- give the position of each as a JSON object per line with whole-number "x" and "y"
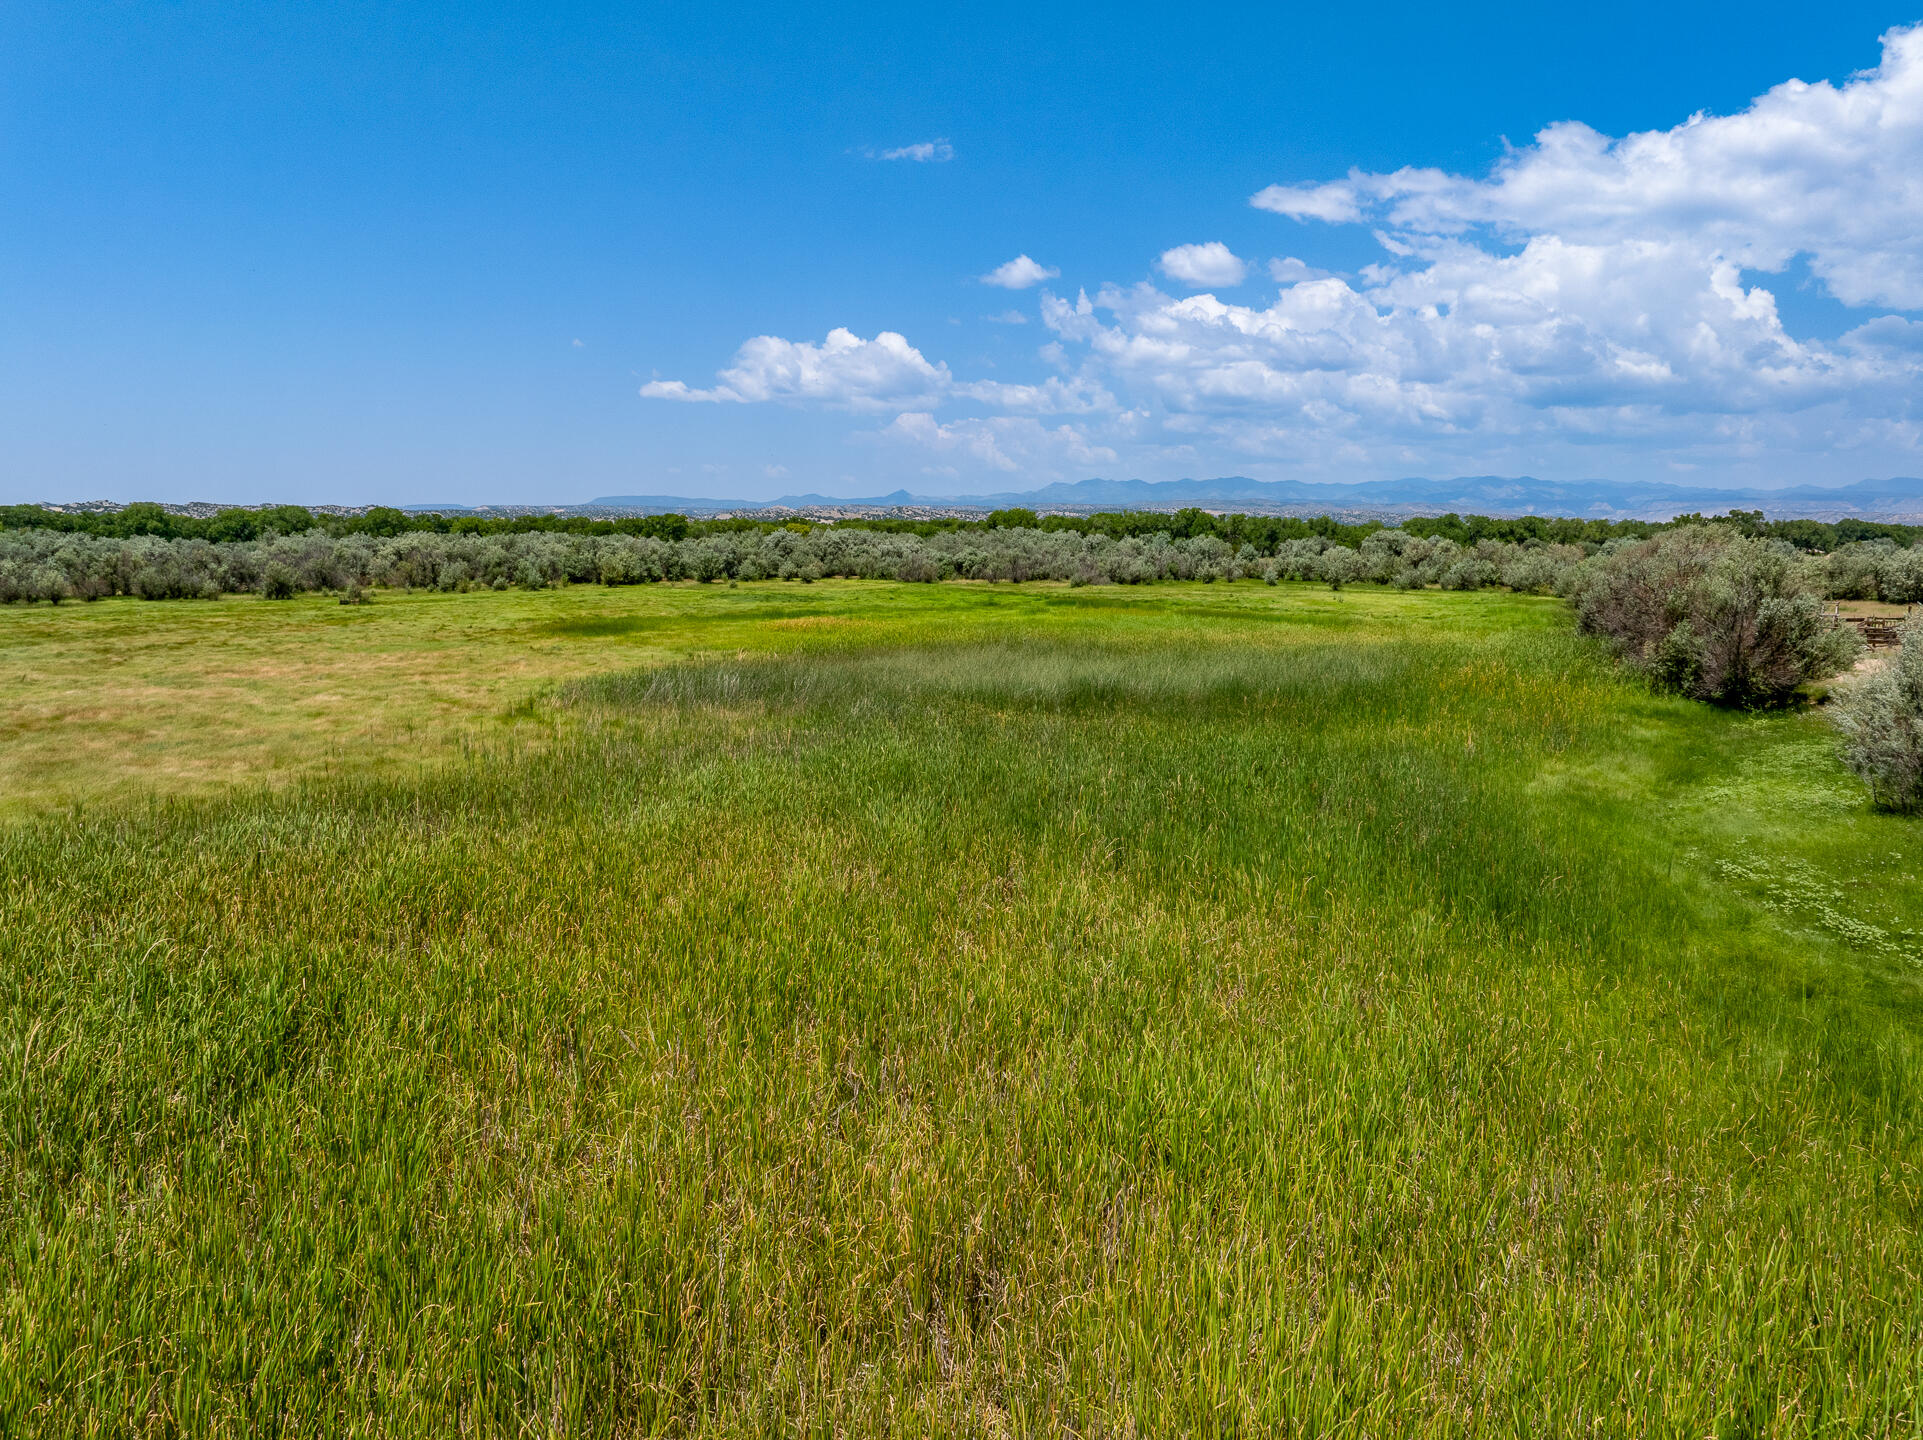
{"x": 52, "y": 565}
{"x": 1264, "y": 532}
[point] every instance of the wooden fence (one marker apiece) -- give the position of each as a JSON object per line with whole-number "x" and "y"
{"x": 1879, "y": 632}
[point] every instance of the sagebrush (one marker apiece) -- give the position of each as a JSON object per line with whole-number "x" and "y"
{"x": 1881, "y": 717}
{"x": 1713, "y": 615}
{"x": 51, "y": 565}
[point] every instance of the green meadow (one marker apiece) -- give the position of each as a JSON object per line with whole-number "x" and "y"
{"x": 865, "y": 1008}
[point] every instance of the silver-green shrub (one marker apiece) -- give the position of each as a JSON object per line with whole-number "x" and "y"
{"x": 1713, "y": 615}
{"x": 1881, "y": 718}
{"x": 49, "y": 565}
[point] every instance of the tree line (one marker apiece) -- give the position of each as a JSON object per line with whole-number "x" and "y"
{"x": 1264, "y": 532}
{"x": 55, "y": 565}
{"x": 146, "y": 519}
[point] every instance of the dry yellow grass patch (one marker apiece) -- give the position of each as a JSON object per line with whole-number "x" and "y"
{"x": 127, "y": 697}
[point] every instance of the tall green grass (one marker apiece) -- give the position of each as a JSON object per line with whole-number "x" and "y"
{"x": 1193, "y": 1030}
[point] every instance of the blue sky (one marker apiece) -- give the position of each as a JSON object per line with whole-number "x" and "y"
{"x": 422, "y": 253}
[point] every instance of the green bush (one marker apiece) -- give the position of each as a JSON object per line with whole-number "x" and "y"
{"x": 1714, "y": 615}
{"x": 1339, "y": 567}
{"x": 41, "y": 563}
{"x": 1882, "y": 724}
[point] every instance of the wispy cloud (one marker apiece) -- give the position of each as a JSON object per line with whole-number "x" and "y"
{"x": 922, "y": 153}
{"x": 1290, "y": 271}
{"x": 1001, "y": 442}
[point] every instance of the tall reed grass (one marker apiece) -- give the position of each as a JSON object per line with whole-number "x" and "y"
{"x": 1200, "y": 1033}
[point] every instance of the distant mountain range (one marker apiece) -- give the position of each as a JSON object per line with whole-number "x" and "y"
{"x": 1892, "y": 499}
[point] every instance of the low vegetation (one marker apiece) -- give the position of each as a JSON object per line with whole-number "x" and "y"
{"x": 996, "y": 1011}
{"x": 1881, "y": 717}
{"x": 1263, "y": 532}
{"x": 1713, "y": 615}
{"x": 44, "y": 564}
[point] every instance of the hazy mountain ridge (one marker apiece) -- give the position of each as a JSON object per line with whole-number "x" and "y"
{"x": 1898, "y": 497}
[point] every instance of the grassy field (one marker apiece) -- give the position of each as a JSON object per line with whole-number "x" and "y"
{"x": 124, "y": 699}
{"x": 909, "y": 1009}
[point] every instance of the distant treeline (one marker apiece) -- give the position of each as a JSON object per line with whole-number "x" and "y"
{"x": 381, "y": 521}
{"x": 1264, "y": 532}
{"x": 53, "y": 565}
{"x": 1267, "y": 532}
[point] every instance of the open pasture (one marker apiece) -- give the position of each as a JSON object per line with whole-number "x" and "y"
{"x": 872, "y": 1008}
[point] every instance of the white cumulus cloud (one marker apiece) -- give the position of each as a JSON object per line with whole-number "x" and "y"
{"x": 1019, "y": 274}
{"x": 1590, "y": 304}
{"x": 848, "y": 372}
{"x": 1831, "y": 172}
{"x": 1202, "y": 267}
{"x": 1334, "y": 202}
{"x": 844, "y": 370}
